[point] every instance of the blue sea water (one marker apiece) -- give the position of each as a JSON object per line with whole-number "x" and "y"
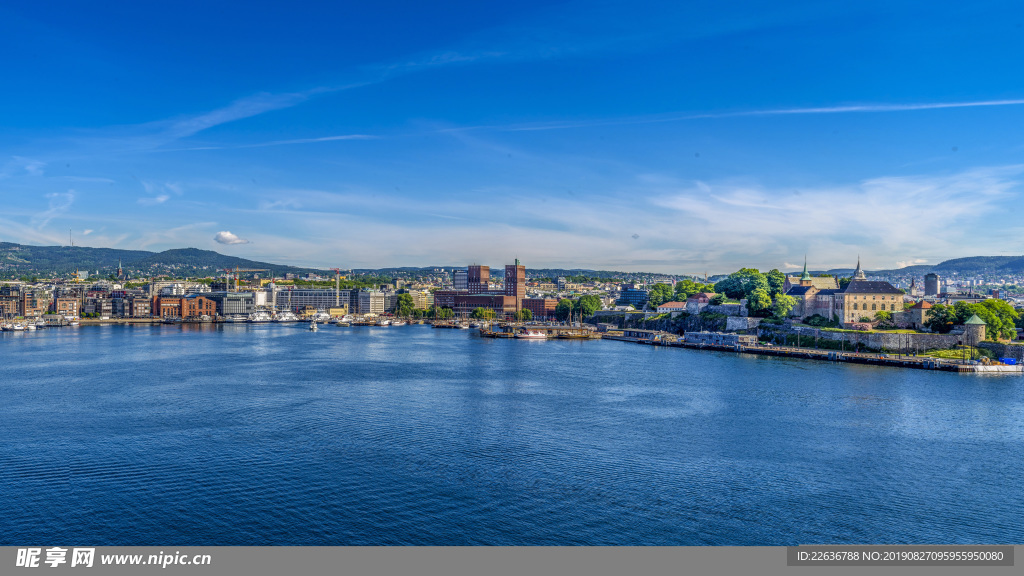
{"x": 270, "y": 434}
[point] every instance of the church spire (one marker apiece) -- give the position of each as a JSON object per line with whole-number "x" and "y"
{"x": 805, "y": 276}
{"x": 858, "y": 274}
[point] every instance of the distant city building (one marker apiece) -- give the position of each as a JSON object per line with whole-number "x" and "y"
{"x": 931, "y": 284}
{"x": 630, "y": 295}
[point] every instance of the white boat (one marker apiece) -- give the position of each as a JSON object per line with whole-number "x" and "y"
{"x": 30, "y": 326}
{"x": 321, "y": 316}
{"x": 74, "y": 323}
{"x": 259, "y": 316}
{"x": 286, "y": 316}
{"x": 18, "y": 327}
{"x": 313, "y": 326}
{"x": 6, "y": 327}
{"x": 463, "y": 326}
{"x": 532, "y": 335}
{"x": 383, "y": 322}
{"x": 398, "y": 323}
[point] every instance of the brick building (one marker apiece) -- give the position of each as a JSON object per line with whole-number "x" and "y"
{"x": 541, "y": 308}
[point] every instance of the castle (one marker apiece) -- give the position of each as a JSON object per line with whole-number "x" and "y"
{"x": 861, "y": 298}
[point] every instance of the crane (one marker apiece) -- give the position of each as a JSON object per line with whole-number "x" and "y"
{"x": 337, "y": 287}
{"x": 236, "y": 271}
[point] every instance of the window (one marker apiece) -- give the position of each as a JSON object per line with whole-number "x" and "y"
{"x": 854, "y": 305}
{"x": 873, "y": 306}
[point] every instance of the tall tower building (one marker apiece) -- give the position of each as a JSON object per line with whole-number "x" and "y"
{"x": 931, "y": 284}
{"x": 515, "y": 282}
{"x": 460, "y": 280}
{"x": 478, "y": 279}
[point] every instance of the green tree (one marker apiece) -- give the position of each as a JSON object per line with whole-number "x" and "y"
{"x": 742, "y": 283}
{"x": 590, "y": 304}
{"x": 659, "y": 294}
{"x": 776, "y": 280}
{"x": 844, "y": 282}
{"x": 759, "y": 302}
{"x": 443, "y": 313}
{"x": 483, "y": 313}
{"x": 783, "y": 306}
{"x": 404, "y": 305}
{"x": 717, "y": 299}
{"x": 524, "y": 315}
{"x": 564, "y": 309}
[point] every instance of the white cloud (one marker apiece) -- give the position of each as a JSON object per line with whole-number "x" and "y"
{"x": 911, "y": 262}
{"x": 225, "y": 237}
{"x": 87, "y": 232}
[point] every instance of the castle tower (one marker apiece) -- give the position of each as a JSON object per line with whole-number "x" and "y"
{"x": 974, "y": 330}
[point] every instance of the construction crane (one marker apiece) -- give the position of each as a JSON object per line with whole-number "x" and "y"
{"x": 337, "y": 287}
{"x": 236, "y": 271}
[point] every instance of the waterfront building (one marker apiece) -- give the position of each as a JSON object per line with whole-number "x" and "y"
{"x": 68, "y": 307}
{"x": 294, "y": 299}
{"x": 541, "y": 308}
{"x": 422, "y": 299}
{"x": 371, "y": 302}
{"x": 460, "y": 280}
{"x": 233, "y": 303}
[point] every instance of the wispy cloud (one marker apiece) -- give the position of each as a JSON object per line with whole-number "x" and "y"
{"x": 57, "y": 204}
{"x": 153, "y": 201}
{"x": 283, "y": 142}
{"x": 682, "y": 117}
{"x": 33, "y": 167}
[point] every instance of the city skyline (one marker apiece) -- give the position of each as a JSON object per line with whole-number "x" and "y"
{"x": 666, "y": 139}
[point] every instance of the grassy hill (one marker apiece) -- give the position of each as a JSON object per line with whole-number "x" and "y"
{"x": 19, "y": 260}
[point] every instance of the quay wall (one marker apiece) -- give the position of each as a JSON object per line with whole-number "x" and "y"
{"x": 879, "y": 341}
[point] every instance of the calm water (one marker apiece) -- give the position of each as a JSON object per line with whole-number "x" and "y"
{"x": 170, "y": 435}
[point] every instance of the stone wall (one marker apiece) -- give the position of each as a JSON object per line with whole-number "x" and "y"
{"x": 1015, "y": 351}
{"x": 733, "y": 323}
{"x": 871, "y": 340}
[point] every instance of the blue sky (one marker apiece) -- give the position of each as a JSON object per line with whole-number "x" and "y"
{"x": 681, "y": 137}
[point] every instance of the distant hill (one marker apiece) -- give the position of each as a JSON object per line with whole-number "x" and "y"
{"x": 19, "y": 260}
{"x": 961, "y": 266}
